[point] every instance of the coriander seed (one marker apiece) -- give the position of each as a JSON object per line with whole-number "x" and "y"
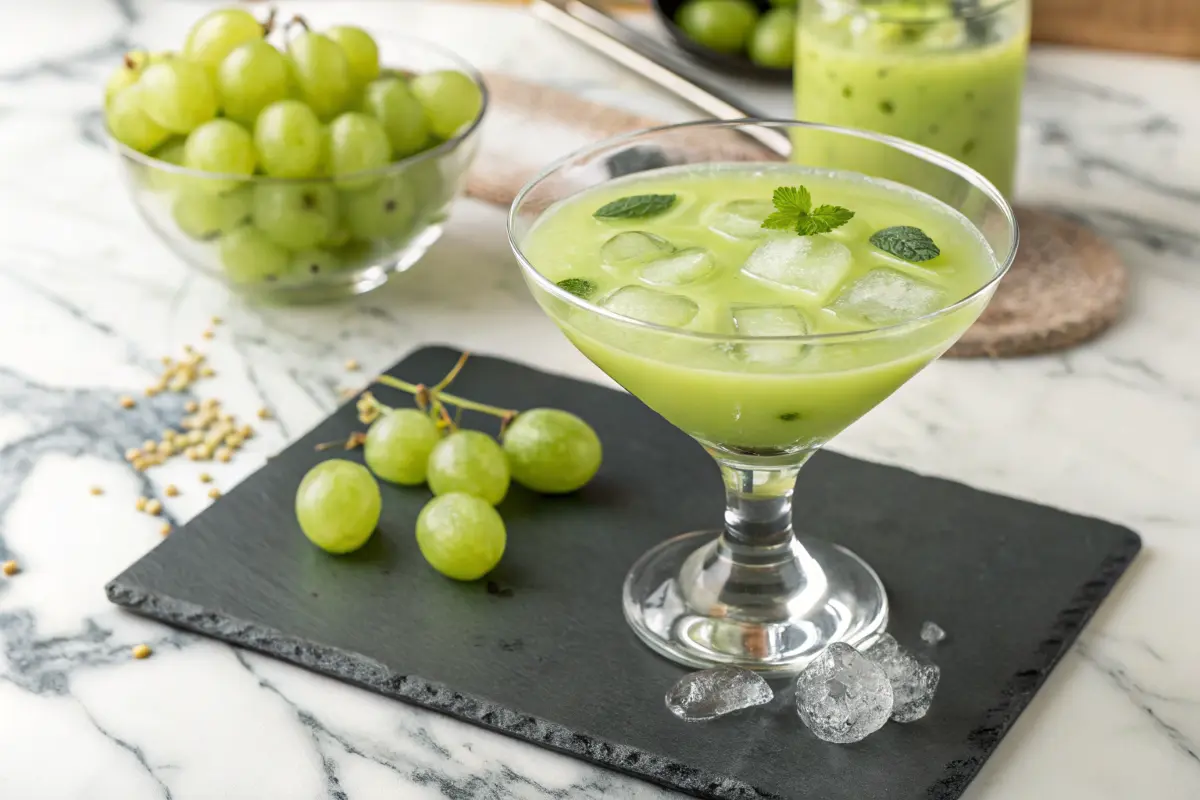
{"x": 10, "y": 568}
{"x": 141, "y": 651}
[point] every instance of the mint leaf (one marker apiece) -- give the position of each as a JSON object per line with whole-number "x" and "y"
{"x": 780, "y": 221}
{"x": 823, "y": 219}
{"x": 794, "y": 212}
{"x": 794, "y": 199}
{"x": 580, "y": 287}
{"x": 638, "y": 206}
{"x": 907, "y": 242}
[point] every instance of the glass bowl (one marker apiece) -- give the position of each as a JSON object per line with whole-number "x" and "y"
{"x": 332, "y": 237}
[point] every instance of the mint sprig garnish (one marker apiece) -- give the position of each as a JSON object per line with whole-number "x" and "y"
{"x": 580, "y": 287}
{"x": 638, "y": 206}
{"x": 907, "y": 242}
{"x": 794, "y": 212}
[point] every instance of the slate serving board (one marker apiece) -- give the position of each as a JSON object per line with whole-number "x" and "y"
{"x": 554, "y": 663}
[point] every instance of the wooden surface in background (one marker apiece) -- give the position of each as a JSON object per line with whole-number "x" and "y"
{"x": 1166, "y": 27}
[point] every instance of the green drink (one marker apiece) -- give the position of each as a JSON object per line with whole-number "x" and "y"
{"x": 707, "y": 266}
{"x": 945, "y": 74}
{"x": 761, "y": 318}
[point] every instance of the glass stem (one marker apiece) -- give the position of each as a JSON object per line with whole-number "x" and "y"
{"x": 758, "y": 503}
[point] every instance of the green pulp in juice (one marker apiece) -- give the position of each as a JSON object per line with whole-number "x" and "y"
{"x": 930, "y": 83}
{"x": 706, "y": 266}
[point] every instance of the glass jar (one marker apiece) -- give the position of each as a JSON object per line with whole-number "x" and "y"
{"x": 943, "y": 73}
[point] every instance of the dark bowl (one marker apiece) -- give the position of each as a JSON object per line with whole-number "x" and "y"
{"x": 739, "y": 65}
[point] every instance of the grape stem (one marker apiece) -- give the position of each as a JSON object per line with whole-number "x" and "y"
{"x": 432, "y": 395}
{"x": 297, "y": 20}
{"x": 269, "y": 24}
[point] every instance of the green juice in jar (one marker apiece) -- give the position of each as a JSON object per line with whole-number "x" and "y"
{"x": 943, "y": 73}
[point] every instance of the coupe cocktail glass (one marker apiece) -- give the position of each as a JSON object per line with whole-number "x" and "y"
{"x": 770, "y": 590}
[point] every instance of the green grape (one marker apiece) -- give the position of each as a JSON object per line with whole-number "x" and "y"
{"x": 178, "y": 95}
{"x": 250, "y": 78}
{"x": 339, "y": 236}
{"x": 773, "y": 42}
{"x": 289, "y": 140}
{"x": 204, "y": 216}
{"x": 461, "y": 536}
{"x": 391, "y": 102}
{"x": 722, "y": 25}
{"x": 216, "y": 34}
{"x": 321, "y": 73}
{"x": 163, "y": 179}
{"x": 450, "y": 99}
{"x": 551, "y": 451}
{"x": 130, "y": 125}
{"x": 296, "y": 215}
{"x": 398, "y": 446}
{"x": 471, "y": 462}
{"x": 314, "y": 262}
{"x": 220, "y": 146}
{"x": 249, "y": 256}
{"x": 357, "y": 142}
{"x": 125, "y": 75}
{"x": 338, "y": 505}
{"x": 383, "y": 211}
{"x": 354, "y": 254}
{"x": 362, "y": 54}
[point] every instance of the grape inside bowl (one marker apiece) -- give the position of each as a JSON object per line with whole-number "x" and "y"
{"x": 303, "y": 198}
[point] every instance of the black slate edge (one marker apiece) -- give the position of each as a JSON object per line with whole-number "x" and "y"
{"x": 1015, "y": 696}
{"x": 372, "y": 675}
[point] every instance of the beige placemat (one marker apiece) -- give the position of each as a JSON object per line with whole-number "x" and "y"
{"x": 1066, "y": 286}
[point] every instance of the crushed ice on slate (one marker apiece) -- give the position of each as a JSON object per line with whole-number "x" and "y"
{"x": 712, "y": 693}
{"x": 914, "y": 681}
{"x": 842, "y": 696}
{"x": 932, "y": 633}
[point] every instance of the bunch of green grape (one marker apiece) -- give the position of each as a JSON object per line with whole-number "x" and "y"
{"x": 321, "y": 114}
{"x": 737, "y": 26}
{"x": 459, "y": 532}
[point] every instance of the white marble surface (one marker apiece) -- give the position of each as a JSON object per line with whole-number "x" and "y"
{"x": 89, "y": 300}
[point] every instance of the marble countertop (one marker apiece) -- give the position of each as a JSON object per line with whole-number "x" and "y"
{"x": 89, "y": 300}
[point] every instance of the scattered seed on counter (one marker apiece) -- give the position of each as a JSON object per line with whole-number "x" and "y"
{"x": 127, "y": 402}
{"x": 165, "y": 530}
{"x": 96, "y": 491}
{"x": 140, "y": 505}
{"x": 154, "y": 508}
{"x": 214, "y": 493}
{"x": 205, "y": 477}
{"x": 217, "y": 320}
{"x": 10, "y": 568}
{"x": 352, "y": 365}
{"x": 141, "y": 651}
{"x": 264, "y": 413}
{"x": 191, "y": 406}
{"x": 171, "y": 491}
{"x": 208, "y": 334}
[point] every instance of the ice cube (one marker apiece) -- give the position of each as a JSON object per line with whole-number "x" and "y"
{"x": 884, "y": 296}
{"x": 769, "y": 321}
{"x": 932, "y": 633}
{"x": 651, "y": 305}
{"x": 843, "y": 696}
{"x": 634, "y": 247}
{"x": 814, "y": 264}
{"x": 683, "y": 266}
{"x": 913, "y": 681}
{"x": 712, "y": 693}
{"x": 739, "y": 219}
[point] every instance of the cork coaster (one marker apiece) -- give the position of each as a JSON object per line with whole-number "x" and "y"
{"x": 1066, "y": 286}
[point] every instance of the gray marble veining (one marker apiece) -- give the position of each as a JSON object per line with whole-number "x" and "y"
{"x": 89, "y": 300}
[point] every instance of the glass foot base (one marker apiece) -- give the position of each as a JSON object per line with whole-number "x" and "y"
{"x": 702, "y": 600}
